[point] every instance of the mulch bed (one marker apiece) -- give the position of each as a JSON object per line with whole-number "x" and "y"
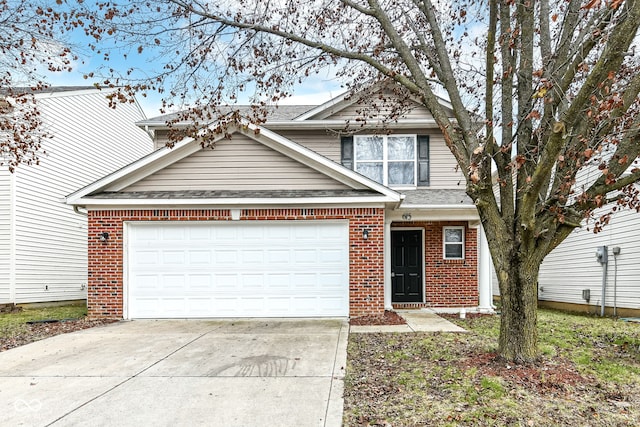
{"x": 38, "y": 331}
{"x": 389, "y": 318}
{"x": 544, "y": 376}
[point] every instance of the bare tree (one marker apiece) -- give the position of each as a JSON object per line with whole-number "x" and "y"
{"x": 545, "y": 96}
{"x": 28, "y": 49}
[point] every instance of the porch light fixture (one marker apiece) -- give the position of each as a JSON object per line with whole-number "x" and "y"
{"x": 406, "y": 217}
{"x": 365, "y": 234}
{"x": 104, "y": 236}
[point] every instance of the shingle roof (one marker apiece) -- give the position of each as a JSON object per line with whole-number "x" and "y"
{"x": 432, "y": 196}
{"x": 225, "y": 194}
{"x": 52, "y": 89}
{"x": 274, "y": 113}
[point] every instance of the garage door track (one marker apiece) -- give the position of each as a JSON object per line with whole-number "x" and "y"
{"x": 180, "y": 372}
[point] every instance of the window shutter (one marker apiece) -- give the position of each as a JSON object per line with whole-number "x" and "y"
{"x": 346, "y": 151}
{"x": 423, "y": 160}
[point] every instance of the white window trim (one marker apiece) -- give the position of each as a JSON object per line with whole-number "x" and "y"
{"x": 444, "y": 242}
{"x": 385, "y": 159}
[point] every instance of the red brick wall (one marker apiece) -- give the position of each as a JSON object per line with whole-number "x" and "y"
{"x": 448, "y": 283}
{"x": 366, "y": 281}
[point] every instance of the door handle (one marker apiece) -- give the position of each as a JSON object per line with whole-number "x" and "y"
{"x": 393, "y": 274}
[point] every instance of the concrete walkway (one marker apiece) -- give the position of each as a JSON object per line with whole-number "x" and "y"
{"x": 180, "y": 373}
{"x": 422, "y": 320}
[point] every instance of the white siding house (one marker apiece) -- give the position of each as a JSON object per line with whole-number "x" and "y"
{"x": 572, "y": 267}
{"x": 43, "y": 242}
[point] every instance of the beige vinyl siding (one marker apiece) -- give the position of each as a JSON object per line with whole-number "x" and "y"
{"x": 355, "y": 110}
{"x": 572, "y": 266}
{"x": 5, "y": 235}
{"x": 89, "y": 141}
{"x": 443, "y": 166}
{"x": 237, "y": 164}
{"x": 323, "y": 142}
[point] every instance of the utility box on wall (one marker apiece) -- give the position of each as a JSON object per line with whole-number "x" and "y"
{"x": 602, "y": 253}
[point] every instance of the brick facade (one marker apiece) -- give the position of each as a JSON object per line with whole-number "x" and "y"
{"x": 106, "y": 264}
{"x": 448, "y": 283}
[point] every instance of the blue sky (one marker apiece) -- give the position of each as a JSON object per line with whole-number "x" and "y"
{"x": 315, "y": 90}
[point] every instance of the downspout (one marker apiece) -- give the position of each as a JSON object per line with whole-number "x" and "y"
{"x": 402, "y": 196}
{"x": 604, "y": 288}
{"x": 12, "y": 237}
{"x": 616, "y": 252}
{"x": 77, "y": 210}
{"x": 602, "y": 253}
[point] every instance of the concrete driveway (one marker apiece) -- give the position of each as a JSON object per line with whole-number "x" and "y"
{"x": 180, "y": 372}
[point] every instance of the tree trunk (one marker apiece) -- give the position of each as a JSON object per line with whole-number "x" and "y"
{"x": 518, "y": 340}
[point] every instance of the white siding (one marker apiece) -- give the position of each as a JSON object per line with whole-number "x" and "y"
{"x": 89, "y": 141}
{"x": 572, "y": 266}
{"x": 237, "y": 164}
{"x": 5, "y": 235}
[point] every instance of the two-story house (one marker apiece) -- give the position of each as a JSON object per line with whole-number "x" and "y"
{"x": 43, "y": 242}
{"x": 293, "y": 218}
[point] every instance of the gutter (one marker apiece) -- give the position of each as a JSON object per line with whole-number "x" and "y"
{"x": 310, "y": 124}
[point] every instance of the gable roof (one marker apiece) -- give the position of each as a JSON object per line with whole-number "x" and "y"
{"x": 274, "y": 113}
{"x": 348, "y": 99}
{"x": 100, "y": 192}
{"x": 308, "y": 116}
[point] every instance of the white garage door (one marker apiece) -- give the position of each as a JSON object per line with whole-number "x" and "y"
{"x": 237, "y": 269}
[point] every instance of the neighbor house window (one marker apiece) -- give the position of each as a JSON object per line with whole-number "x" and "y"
{"x": 453, "y": 242}
{"x": 387, "y": 159}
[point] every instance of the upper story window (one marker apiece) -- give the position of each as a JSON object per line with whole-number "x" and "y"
{"x": 399, "y": 161}
{"x": 387, "y": 159}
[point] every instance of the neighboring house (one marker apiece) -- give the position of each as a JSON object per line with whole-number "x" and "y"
{"x": 294, "y": 218}
{"x": 571, "y": 276}
{"x": 43, "y": 242}
{"x": 572, "y": 268}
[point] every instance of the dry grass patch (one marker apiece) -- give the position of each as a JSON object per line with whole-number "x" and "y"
{"x": 588, "y": 375}
{"x": 32, "y": 324}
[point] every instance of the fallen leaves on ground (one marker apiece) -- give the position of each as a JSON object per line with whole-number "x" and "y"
{"x": 442, "y": 379}
{"x": 389, "y": 318}
{"x": 37, "y": 331}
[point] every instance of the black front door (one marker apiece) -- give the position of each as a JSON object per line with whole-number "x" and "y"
{"x": 406, "y": 266}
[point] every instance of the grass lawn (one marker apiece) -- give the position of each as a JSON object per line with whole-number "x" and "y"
{"x": 15, "y": 331}
{"x": 588, "y": 375}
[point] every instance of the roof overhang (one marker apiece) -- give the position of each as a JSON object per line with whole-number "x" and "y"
{"x": 335, "y": 202}
{"x": 349, "y": 98}
{"x": 165, "y": 156}
{"x": 435, "y": 213}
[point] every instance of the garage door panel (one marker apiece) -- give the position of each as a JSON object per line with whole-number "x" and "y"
{"x": 199, "y": 282}
{"x": 251, "y": 258}
{"x": 228, "y": 257}
{"x": 173, "y": 257}
{"x": 200, "y": 258}
{"x": 279, "y": 256}
{"x": 175, "y": 234}
{"x": 263, "y": 269}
